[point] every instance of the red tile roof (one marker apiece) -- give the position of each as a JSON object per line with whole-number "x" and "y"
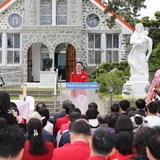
{"x": 118, "y": 17}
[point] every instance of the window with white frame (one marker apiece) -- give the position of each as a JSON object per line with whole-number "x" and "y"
{"x": 61, "y": 12}
{"x": 112, "y": 47}
{"x": 13, "y": 48}
{"x": 94, "y": 48}
{"x": 46, "y": 12}
{"x": 0, "y": 48}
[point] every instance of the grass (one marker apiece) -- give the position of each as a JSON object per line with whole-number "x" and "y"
{"x": 29, "y": 89}
{"x": 36, "y": 98}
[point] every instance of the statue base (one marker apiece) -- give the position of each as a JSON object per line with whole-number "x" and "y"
{"x": 135, "y": 88}
{"x": 47, "y": 79}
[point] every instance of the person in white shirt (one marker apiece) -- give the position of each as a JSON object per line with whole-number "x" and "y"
{"x": 152, "y": 118}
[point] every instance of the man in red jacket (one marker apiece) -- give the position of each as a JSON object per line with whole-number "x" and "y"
{"x": 79, "y": 148}
{"x": 79, "y": 75}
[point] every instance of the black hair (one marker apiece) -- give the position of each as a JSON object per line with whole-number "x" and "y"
{"x": 77, "y": 110}
{"x": 123, "y": 123}
{"x": 133, "y": 109}
{"x": 124, "y": 142}
{"x": 124, "y": 104}
{"x": 139, "y": 157}
{"x": 139, "y": 141}
{"x": 16, "y": 110}
{"x": 112, "y": 120}
{"x": 84, "y": 117}
{"x": 153, "y": 141}
{"x": 93, "y": 105}
{"x": 4, "y": 101}
{"x": 71, "y": 107}
{"x": 11, "y": 142}
{"x": 37, "y": 143}
{"x": 103, "y": 141}
{"x": 3, "y": 123}
{"x": 158, "y": 103}
{"x": 92, "y": 113}
{"x": 13, "y": 105}
{"x": 152, "y": 107}
{"x": 65, "y": 103}
{"x": 79, "y": 62}
{"x": 140, "y": 103}
{"x": 44, "y": 112}
{"x": 103, "y": 118}
{"x": 42, "y": 105}
{"x": 74, "y": 116}
{"x": 80, "y": 127}
{"x": 115, "y": 107}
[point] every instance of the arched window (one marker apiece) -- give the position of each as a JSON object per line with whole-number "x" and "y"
{"x": 61, "y": 12}
{"x": 46, "y": 12}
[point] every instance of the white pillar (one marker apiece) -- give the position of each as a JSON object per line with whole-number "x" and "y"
{"x": 4, "y": 48}
{"x": 54, "y": 5}
{"x": 103, "y": 47}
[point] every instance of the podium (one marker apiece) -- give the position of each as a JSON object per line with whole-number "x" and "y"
{"x": 82, "y": 93}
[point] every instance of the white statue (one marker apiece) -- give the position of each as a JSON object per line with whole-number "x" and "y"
{"x": 140, "y": 53}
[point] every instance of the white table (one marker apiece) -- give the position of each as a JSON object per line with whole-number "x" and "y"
{"x": 23, "y": 107}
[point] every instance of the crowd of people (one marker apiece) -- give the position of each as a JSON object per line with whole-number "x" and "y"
{"x": 125, "y": 133}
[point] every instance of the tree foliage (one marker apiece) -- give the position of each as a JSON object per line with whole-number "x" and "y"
{"x": 128, "y": 9}
{"x": 114, "y": 74}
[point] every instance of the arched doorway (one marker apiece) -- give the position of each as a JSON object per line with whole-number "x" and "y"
{"x": 36, "y": 53}
{"x": 65, "y": 57}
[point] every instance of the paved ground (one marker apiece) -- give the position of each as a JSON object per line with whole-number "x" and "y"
{"x": 65, "y": 94}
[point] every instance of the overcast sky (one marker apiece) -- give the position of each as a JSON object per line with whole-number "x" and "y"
{"x": 152, "y": 7}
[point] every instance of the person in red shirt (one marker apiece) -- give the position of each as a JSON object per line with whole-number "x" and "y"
{"x": 79, "y": 148}
{"x": 36, "y": 148}
{"x": 102, "y": 144}
{"x": 79, "y": 75}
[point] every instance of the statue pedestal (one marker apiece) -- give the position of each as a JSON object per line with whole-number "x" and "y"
{"x": 47, "y": 79}
{"x": 135, "y": 88}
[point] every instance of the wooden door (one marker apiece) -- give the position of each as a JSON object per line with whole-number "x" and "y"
{"x": 29, "y": 65}
{"x": 70, "y": 61}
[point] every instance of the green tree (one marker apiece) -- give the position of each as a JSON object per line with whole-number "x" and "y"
{"x": 128, "y": 9}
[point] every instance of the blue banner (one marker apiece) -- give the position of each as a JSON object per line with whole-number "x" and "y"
{"x": 82, "y": 85}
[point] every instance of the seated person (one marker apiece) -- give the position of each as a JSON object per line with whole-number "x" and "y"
{"x": 36, "y": 147}
{"x": 21, "y": 121}
{"x": 44, "y": 112}
{"x": 123, "y": 146}
{"x": 11, "y": 143}
{"x": 92, "y": 114}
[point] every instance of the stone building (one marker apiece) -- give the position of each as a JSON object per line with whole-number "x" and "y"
{"x": 65, "y": 30}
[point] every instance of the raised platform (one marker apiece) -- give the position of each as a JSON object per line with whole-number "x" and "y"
{"x": 135, "y": 88}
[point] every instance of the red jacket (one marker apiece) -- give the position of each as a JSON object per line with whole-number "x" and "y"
{"x": 59, "y": 123}
{"x": 79, "y": 150}
{"x": 28, "y": 156}
{"x": 96, "y": 158}
{"x": 83, "y": 77}
{"x": 119, "y": 156}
